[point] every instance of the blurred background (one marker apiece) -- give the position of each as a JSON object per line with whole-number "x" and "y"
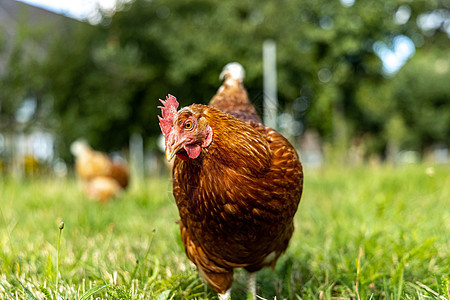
{"x": 357, "y": 81}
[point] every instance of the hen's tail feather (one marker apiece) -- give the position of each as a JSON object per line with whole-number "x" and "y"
{"x": 231, "y": 97}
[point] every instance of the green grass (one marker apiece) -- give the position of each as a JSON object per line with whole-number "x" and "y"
{"x": 366, "y": 233}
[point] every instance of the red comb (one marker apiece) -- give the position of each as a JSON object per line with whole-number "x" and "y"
{"x": 168, "y": 111}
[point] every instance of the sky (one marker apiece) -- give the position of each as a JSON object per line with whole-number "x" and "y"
{"x": 78, "y": 9}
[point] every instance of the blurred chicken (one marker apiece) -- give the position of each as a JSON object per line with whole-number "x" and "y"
{"x": 101, "y": 176}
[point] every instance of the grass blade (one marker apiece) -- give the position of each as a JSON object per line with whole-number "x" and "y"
{"x": 61, "y": 227}
{"x": 27, "y": 291}
{"x": 93, "y": 291}
{"x": 164, "y": 295}
{"x": 4, "y": 287}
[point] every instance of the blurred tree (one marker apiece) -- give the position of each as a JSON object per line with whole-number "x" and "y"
{"x": 104, "y": 81}
{"x": 423, "y": 99}
{"x": 18, "y": 80}
{"x": 25, "y": 100}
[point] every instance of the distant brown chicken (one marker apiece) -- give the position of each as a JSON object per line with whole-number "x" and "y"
{"x": 236, "y": 182}
{"x": 102, "y": 177}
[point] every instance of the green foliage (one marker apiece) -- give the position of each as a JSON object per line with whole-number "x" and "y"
{"x": 372, "y": 233}
{"x": 22, "y": 78}
{"x": 92, "y": 291}
{"x": 103, "y": 81}
{"x": 423, "y": 98}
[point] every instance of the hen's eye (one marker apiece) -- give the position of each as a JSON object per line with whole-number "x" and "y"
{"x": 188, "y": 125}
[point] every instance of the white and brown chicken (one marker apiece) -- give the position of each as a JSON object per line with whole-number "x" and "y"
{"x": 101, "y": 176}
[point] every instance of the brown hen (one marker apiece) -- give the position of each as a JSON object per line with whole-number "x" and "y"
{"x": 102, "y": 177}
{"x": 236, "y": 182}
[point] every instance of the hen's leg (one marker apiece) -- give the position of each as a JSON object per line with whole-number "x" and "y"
{"x": 251, "y": 285}
{"x": 226, "y": 295}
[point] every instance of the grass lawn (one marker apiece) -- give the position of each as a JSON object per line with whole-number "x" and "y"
{"x": 361, "y": 233}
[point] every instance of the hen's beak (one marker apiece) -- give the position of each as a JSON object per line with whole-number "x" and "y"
{"x": 169, "y": 154}
{"x": 172, "y": 147}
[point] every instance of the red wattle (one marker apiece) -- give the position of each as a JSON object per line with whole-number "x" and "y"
{"x": 193, "y": 151}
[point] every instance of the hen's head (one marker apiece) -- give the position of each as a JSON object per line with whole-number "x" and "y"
{"x": 185, "y": 131}
{"x": 80, "y": 148}
{"x": 233, "y": 71}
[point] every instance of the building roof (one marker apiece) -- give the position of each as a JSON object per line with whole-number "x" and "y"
{"x": 13, "y": 12}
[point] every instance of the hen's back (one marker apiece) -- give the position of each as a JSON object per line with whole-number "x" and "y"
{"x": 232, "y": 97}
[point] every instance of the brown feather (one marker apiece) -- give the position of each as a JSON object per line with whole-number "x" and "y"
{"x": 232, "y": 98}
